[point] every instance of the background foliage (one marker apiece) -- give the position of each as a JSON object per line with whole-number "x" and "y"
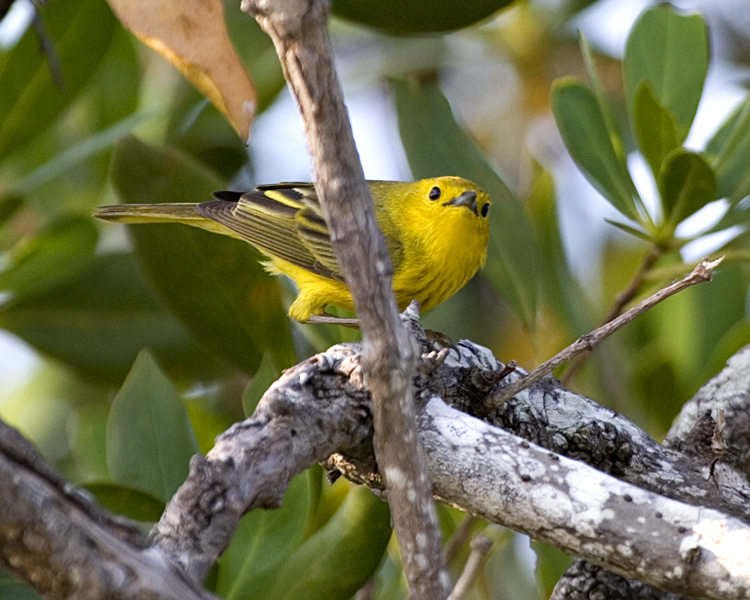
{"x": 182, "y": 328}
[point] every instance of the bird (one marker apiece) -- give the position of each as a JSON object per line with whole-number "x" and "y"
{"x": 436, "y": 231}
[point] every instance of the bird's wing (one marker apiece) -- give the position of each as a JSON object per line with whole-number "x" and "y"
{"x": 267, "y": 218}
{"x": 311, "y": 226}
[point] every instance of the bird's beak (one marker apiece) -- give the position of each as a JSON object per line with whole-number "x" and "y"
{"x": 467, "y": 199}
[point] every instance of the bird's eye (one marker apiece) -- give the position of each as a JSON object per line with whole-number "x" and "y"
{"x": 435, "y": 193}
{"x": 485, "y": 210}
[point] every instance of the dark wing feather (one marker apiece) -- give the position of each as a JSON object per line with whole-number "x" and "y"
{"x": 269, "y": 219}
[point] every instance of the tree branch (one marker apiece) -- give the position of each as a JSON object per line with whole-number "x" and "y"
{"x": 488, "y": 471}
{"x": 728, "y": 392}
{"x": 631, "y": 525}
{"x": 693, "y": 433}
{"x": 55, "y": 538}
{"x": 298, "y": 30}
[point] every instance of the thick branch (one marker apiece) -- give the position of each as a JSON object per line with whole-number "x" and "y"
{"x": 487, "y": 471}
{"x": 298, "y": 30}
{"x": 694, "y": 433}
{"x": 322, "y": 406}
{"x": 56, "y": 539}
{"x": 685, "y": 549}
{"x": 584, "y": 581}
{"x": 728, "y": 392}
{"x": 253, "y": 461}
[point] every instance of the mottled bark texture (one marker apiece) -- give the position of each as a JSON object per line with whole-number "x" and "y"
{"x": 631, "y": 524}
{"x": 720, "y": 450}
{"x": 54, "y": 537}
{"x": 585, "y": 480}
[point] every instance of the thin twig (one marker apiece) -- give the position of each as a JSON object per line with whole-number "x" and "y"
{"x": 622, "y": 299}
{"x": 480, "y": 546}
{"x": 702, "y": 272}
{"x": 458, "y": 538}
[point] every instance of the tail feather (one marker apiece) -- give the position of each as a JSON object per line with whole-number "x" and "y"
{"x": 184, "y": 213}
{"x": 148, "y": 213}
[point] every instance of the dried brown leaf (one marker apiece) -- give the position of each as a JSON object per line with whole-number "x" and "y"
{"x": 192, "y": 35}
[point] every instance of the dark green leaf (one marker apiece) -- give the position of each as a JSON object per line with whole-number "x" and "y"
{"x": 655, "y": 127}
{"x": 72, "y": 157}
{"x": 266, "y": 374}
{"x": 149, "y": 437}
{"x": 341, "y": 556}
{"x": 436, "y": 145}
{"x": 731, "y": 149}
{"x": 97, "y": 321}
{"x": 9, "y": 204}
{"x": 80, "y": 31}
{"x": 213, "y": 283}
{"x": 257, "y": 52}
{"x": 417, "y": 16}
{"x": 262, "y": 544}
{"x": 113, "y": 92}
{"x": 584, "y": 131}
{"x": 551, "y": 563}
{"x": 12, "y": 589}
{"x": 686, "y": 184}
{"x": 49, "y": 258}
{"x": 669, "y": 51}
{"x": 127, "y": 501}
{"x": 562, "y": 292}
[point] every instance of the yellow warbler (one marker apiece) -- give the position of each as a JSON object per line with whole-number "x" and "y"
{"x": 436, "y": 231}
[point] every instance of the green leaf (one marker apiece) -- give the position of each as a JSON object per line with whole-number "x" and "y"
{"x": 669, "y": 51}
{"x": 97, "y": 321}
{"x": 12, "y": 589}
{"x": 584, "y": 132}
{"x": 731, "y": 147}
{"x": 435, "y": 144}
{"x": 54, "y": 255}
{"x": 262, "y": 544}
{"x": 80, "y": 31}
{"x": 341, "y": 556}
{"x": 213, "y": 283}
{"x": 9, "y": 205}
{"x": 257, "y": 52}
{"x": 149, "y": 437}
{"x": 655, "y": 127}
{"x": 551, "y": 563}
{"x": 417, "y": 16}
{"x": 686, "y": 184}
{"x": 113, "y": 92}
{"x": 127, "y": 501}
{"x": 266, "y": 374}
{"x": 642, "y": 235}
{"x": 614, "y": 133}
{"x": 562, "y": 292}
{"x": 74, "y": 156}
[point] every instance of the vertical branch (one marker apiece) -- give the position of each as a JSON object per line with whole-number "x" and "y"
{"x": 298, "y": 29}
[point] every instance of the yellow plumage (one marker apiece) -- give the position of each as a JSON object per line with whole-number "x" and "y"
{"x": 436, "y": 231}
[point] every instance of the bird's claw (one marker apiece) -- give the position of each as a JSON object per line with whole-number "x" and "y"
{"x": 432, "y": 360}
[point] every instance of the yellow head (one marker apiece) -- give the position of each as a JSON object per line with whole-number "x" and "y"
{"x": 442, "y": 225}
